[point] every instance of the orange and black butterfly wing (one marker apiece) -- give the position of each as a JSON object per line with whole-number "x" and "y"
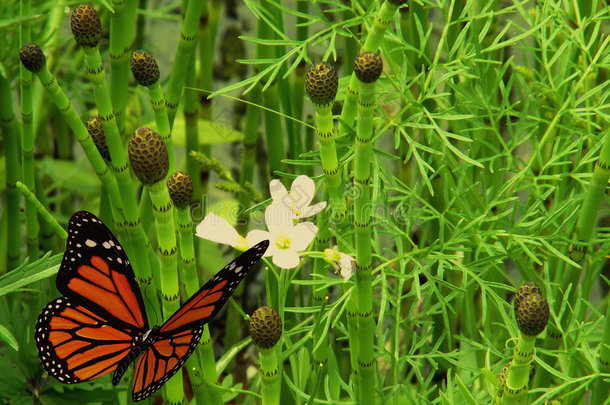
{"x": 96, "y": 273}
{"x": 179, "y": 335}
{"x": 101, "y": 317}
{"x": 75, "y": 345}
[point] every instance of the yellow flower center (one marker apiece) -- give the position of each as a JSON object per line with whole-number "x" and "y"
{"x": 282, "y": 241}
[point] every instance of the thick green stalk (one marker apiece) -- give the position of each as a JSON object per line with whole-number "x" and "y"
{"x": 270, "y": 98}
{"x": 363, "y": 157}
{"x": 601, "y": 390}
{"x": 184, "y": 53}
{"x": 591, "y": 204}
{"x": 383, "y": 18}
{"x": 11, "y": 148}
{"x": 170, "y": 294}
{"x": 191, "y": 115}
{"x": 273, "y": 129}
{"x": 325, "y": 132}
{"x": 27, "y": 137}
{"x": 190, "y": 281}
{"x": 515, "y": 390}
{"x": 270, "y": 380}
{"x": 157, "y": 101}
{"x": 319, "y": 299}
{"x": 41, "y": 210}
{"x": 121, "y": 36}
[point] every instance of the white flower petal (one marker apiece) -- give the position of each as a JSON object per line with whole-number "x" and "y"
{"x": 313, "y": 210}
{"x": 277, "y": 190}
{"x": 279, "y": 218}
{"x": 219, "y": 230}
{"x": 286, "y": 259}
{"x": 302, "y": 191}
{"x": 255, "y": 236}
{"x": 347, "y": 266}
{"x": 302, "y": 235}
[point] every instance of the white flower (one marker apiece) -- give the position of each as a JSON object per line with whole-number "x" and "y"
{"x": 298, "y": 199}
{"x": 219, "y": 230}
{"x": 286, "y": 238}
{"x": 344, "y": 264}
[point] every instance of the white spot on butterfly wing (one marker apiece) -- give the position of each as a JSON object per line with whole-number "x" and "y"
{"x": 90, "y": 243}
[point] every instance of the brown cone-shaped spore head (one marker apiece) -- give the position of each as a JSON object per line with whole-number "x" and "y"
{"x": 94, "y": 127}
{"x": 86, "y": 26}
{"x": 265, "y": 327}
{"x": 180, "y": 186}
{"x": 32, "y": 57}
{"x": 532, "y": 314}
{"x": 144, "y": 68}
{"x": 321, "y": 83}
{"x": 148, "y": 156}
{"x": 368, "y": 67}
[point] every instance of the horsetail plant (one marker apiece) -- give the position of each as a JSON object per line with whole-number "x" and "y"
{"x": 122, "y": 22}
{"x": 266, "y": 331}
{"x": 367, "y": 68}
{"x": 87, "y": 31}
{"x": 184, "y": 53}
{"x": 383, "y": 18}
{"x": 11, "y": 147}
{"x": 33, "y": 59}
{"x": 27, "y": 137}
{"x": 150, "y": 162}
{"x": 321, "y": 82}
{"x": 146, "y": 72}
{"x": 180, "y": 187}
{"x": 532, "y": 315}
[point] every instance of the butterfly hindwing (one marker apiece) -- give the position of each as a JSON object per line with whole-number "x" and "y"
{"x": 75, "y": 345}
{"x": 162, "y": 360}
{"x": 96, "y": 272}
{"x": 179, "y": 335}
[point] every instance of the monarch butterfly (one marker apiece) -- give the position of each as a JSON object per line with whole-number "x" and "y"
{"x": 99, "y": 325}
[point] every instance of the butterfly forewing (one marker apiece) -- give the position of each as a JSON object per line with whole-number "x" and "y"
{"x": 76, "y": 345}
{"x": 96, "y": 272}
{"x": 179, "y": 335}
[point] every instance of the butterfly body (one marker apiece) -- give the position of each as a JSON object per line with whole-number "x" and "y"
{"x": 99, "y": 325}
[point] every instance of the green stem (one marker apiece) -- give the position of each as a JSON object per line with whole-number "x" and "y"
{"x": 383, "y": 18}
{"x": 170, "y": 294}
{"x": 363, "y": 156}
{"x": 591, "y": 204}
{"x": 11, "y": 148}
{"x": 601, "y": 391}
{"x": 190, "y": 281}
{"x": 191, "y": 115}
{"x": 325, "y": 132}
{"x": 157, "y": 101}
{"x": 184, "y": 53}
{"x": 27, "y": 137}
{"x": 270, "y": 380}
{"x": 517, "y": 376}
{"x": 41, "y": 210}
{"x": 121, "y": 36}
